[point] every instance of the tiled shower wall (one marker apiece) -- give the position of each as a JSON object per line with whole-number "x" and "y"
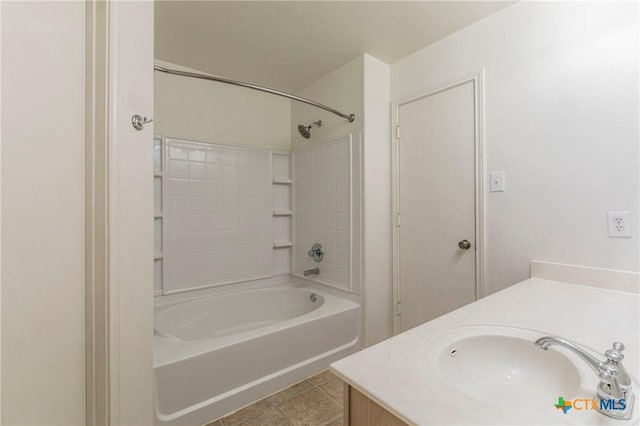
{"x": 224, "y": 214}
{"x": 323, "y": 211}
{"x": 217, "y": 215}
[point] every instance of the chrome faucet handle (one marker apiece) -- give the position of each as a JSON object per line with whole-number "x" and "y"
{"x": 615, "y": 383}
{"x": 609, "y": 374}
{"x": 614, "y": 380}
{"x": 614, "y": 361}
{"x": 615, "y": 354}
{"x": 316, "y": 252}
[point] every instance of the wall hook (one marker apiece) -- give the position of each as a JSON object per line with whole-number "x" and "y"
{"x": 139, "y": 121}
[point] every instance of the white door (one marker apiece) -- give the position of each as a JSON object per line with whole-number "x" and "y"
{"x": 436, "y": 204}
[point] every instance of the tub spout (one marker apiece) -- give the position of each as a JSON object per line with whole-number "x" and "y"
{"x": 314, "y": 271}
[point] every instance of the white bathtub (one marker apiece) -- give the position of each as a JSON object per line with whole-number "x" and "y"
{"x": 216, "y": 352}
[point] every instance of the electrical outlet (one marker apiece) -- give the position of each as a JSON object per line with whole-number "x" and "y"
{"x": 619, "y": 225}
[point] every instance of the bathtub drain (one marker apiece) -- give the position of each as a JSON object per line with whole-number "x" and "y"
{"x": 313, "y": 297}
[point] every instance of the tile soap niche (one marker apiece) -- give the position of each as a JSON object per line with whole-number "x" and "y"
{"x": 281, "y": 200}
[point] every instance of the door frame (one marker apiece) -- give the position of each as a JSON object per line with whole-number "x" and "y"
{"x": 477, "y": 78}
{"x": 97, "y": 310}
{"x": 116, "y": 326}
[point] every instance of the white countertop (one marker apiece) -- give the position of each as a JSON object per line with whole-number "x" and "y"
{"x": 392, "y": 373}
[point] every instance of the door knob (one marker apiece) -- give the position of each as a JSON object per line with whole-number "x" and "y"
{"x": 464, "y": 244}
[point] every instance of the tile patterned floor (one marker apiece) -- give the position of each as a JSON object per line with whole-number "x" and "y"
{"x": 316, "y": 401}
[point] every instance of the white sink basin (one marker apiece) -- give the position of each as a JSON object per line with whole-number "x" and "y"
{"x": 491, "y": 369}
{"x": 502, "y": 365}
{"x": 486, "y": 366}
{"x": 497, "y": 373}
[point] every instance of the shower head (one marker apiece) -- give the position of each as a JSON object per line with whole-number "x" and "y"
{"x": 305, "y": 131}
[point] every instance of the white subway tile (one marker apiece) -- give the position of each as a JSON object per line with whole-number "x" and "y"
{"x": 215, "y": 205}
{"x": 177, "y": 205}
{"x": 176, "y": 186}
{"x": 197, "y": 154}
{"x": 231, "y": 189}
{"x": 330, "y": 237}
{"x": 230, "y": 172}
{"x": 342, "y": 204}
{"x": 215, "y": 171}
{"x": 197, "y": 188}
{"x": 215, "y": 221}
{"x": 231, "y": 221}
{"x": 341, "y": 221}
{"x": 245, "y": 158}
{"x": 342, "y": 239}
{"x": 219, "y": 223}
{"x": 197, "y": 170}
{"x": 198, "y": 205}
{"x": 177, "y": 223}
{"x": 179, "y": 169}
{"x": 215, "y": 155}
{"x": 231, "y": 157}
{"x": 215, "y": 188}
{"x": 177, "y": 152}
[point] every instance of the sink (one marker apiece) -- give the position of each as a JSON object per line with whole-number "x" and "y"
{"x": 501, "y": 365}
{"x": 486, "y": 366}
{"x": 496, "y": 374}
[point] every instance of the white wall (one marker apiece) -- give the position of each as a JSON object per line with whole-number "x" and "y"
{"x": 43, "y": 323}
{"x": 216, "y": 112}
{"x": 342, "y": 89}
{"x": 0, "y": 213}
{"x": 361, "y": 86}
{"x": 377, "y": 243}
{"x": 561, "y": 121}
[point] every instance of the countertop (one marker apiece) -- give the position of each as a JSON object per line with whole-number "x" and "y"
{"x": 392, "y": 373}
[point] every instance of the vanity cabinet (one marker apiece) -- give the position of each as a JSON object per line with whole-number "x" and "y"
{"x": 359, "y": 410}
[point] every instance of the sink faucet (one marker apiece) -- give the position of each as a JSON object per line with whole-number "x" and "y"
{"x": 614, "y": 390}
{"x": 314, "y": 271}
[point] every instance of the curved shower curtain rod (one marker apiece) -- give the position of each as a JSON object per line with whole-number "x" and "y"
{"x": 349, "y": 117}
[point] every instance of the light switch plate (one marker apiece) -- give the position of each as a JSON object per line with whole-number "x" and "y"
{"x": 497, "y": 181}
{"x": 619, "y": 224}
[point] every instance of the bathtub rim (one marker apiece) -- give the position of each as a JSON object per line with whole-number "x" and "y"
{"x": 161, "y": 301}
{"x": 168, "y": 350}
{"x": 254, "y": 332}
{"x": 181, "y": 304}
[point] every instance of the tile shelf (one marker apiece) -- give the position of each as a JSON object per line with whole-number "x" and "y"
{"x": 282, "y": 244}
{"x": 282, "y": 183}
{"x": 158, "y": 216}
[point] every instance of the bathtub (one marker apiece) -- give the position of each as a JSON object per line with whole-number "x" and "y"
{"x": 216, "y": 351}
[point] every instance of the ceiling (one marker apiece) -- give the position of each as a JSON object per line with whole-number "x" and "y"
{"x": 287, "y": 45}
